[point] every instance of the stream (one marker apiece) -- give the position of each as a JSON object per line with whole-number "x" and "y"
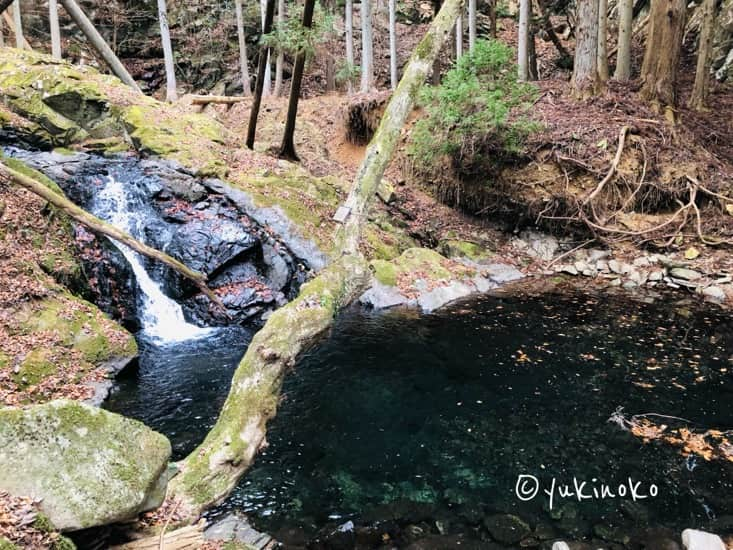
{"x": 416, "y": 429}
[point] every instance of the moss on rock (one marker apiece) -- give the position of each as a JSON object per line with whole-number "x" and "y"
{"x": 88, "y": 466}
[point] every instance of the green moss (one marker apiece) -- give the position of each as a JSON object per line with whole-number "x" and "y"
{"x": 385, "y": 272}
{"x": 23, "y": 168}
{"x": 417, "y": 263}
{"x": 34, "y": 368}
{"x": 5, "y": 544}
{"x": 457, "y": 248}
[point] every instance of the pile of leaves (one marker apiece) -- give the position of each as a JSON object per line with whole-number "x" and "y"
{"x": 22, "y": 525}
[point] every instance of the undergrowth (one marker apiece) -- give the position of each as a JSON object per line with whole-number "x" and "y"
{"x": 475, "y": 118}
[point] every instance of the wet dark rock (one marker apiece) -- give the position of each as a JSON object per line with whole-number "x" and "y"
{"x": 451, "y": 542}
{"x": 507, "y": 528}
{"x": 655, "y": 538}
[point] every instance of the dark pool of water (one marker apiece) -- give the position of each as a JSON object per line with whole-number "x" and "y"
{"x": 447, "y": 410}
{"x": 178, "y": 389}
{"x": 407, "y": 426}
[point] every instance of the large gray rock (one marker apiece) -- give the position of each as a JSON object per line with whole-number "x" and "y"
{"x": 87, "y": 466}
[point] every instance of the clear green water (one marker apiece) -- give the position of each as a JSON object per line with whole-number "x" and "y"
{"x": 401, "y": 420}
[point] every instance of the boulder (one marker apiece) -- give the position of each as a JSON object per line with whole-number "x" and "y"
{"x": 692, "y": 539}
{"x": 86, "y": 466}
{"x": 506, "y": 528}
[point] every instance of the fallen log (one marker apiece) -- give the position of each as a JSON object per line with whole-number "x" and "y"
{"x": 104, "y": 228}
{"x": 222, "y": 99}
{"x": 209, "y": 473}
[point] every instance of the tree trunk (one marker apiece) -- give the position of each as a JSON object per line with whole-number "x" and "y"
{"x": 18, "y": 22}
{"x": 625, "y": 29}
{"x": 532, "y": 57}
{"x": 662, "y": 55}
{"x": 585, "y": 81}
{"x": 472, "y": 25}
{"x": 566, "y": 58}
{"x": 602, "y": 50}
{"x": 459, "y": 37}
{"x": 2, "y": 35}
{"x": 492, "y": 18}
{"x": 53, "y": 20}
{"x": 280, "y": 61}
{"x": 287, "y": 149}
{"x": 103, "y": 228}
{"x": 260, "y": 83}
{"x": 393, "y": 44}
{"x": 330, "y": 6}
{"x": 523, "y": 40}
{"x": 98, "y": 43}
{"x": 243, "y": 62}
{"x": 367, "y": 55}
{"x": 171, "y": 92}
{"x": 210, "y": 472}
{"x": 349, "y": 24}
{"x": 699, "y": 97}
{"x": 267, "y": 78}
{"x": 9, "y": 22}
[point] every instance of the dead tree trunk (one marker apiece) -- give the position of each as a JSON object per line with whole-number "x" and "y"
{"x": 53, "y": 20}
{"x": 261, "y": 70}
{"x": 210, "y": 472}
{"x": 243, "y": 62}
{"x": 103, "y": 228}
{"x": 625, "y": 29}
{"x": 171, "y": 92}
{"x": 98, "y": 43}
{"x": 662, "y": 55}
{"x": 699, "y": 97}
{"x": 287, "y": 149}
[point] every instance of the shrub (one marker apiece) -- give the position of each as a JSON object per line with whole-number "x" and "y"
{"x": 467, "y": 117}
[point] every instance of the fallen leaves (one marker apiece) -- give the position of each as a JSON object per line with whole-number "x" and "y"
{"x": 18, "y": 517}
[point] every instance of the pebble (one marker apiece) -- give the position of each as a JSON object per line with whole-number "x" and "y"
{"x": 714, "y": 293}
{"x": 685, "y": 274}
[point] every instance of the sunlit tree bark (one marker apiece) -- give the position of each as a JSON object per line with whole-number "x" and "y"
{"x": 623, "y": 54}
{"x": 699, "y": 97}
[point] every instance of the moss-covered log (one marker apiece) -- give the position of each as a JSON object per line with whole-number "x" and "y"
{"x": 101, "y": 227}
{"x": 210, "y": 472}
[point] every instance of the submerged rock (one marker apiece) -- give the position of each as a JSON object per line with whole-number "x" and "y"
{"x": 506, "y": 528}
{"x": 87, "y": 466}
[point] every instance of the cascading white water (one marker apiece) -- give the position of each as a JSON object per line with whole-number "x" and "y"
{"x": 161, "y": 318}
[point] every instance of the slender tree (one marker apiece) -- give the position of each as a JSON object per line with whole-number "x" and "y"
{"x": 261, "y": 70}
{"x": 602, "y": 50}
{"x": 280, "y": 61}
{"x": 393, "y": 43}
{"x": 623, "y": 54}
{"x": 98, "y": 43}
{"x": 330, "y": 59}
{"x": 525, "y": 12}
{"x": 349, "y": 24}
{"x": 699, "y": 97}
{"x": 267, "y": 89}
{"x": 171, "y": 93}
{"x": 53, "y": 20}
{"x": 585, "y": 80}
{"x": 2, "y": 35}
{"x": 287, "y": 149}
{"x": 472, "y": 25}
{"x": 367, "y": 55}
{"x": 243, "y": 62}
{"x": 18, "y": 21}
{"x": 459, "y": 36}
{"x": 662, "y": 55}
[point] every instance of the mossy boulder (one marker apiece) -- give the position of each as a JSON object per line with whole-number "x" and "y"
{"x": 87, "y": 466}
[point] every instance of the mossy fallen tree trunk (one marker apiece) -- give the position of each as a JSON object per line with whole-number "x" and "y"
{"x": 98, "y": 226}
{"x": 210, "y": 472}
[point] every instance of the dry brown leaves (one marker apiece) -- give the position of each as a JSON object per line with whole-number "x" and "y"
{"x": 17, "y": 517}
{"x": 709, "y": 445}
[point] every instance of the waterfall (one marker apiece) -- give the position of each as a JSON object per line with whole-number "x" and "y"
{"x": 161, "y": 318}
